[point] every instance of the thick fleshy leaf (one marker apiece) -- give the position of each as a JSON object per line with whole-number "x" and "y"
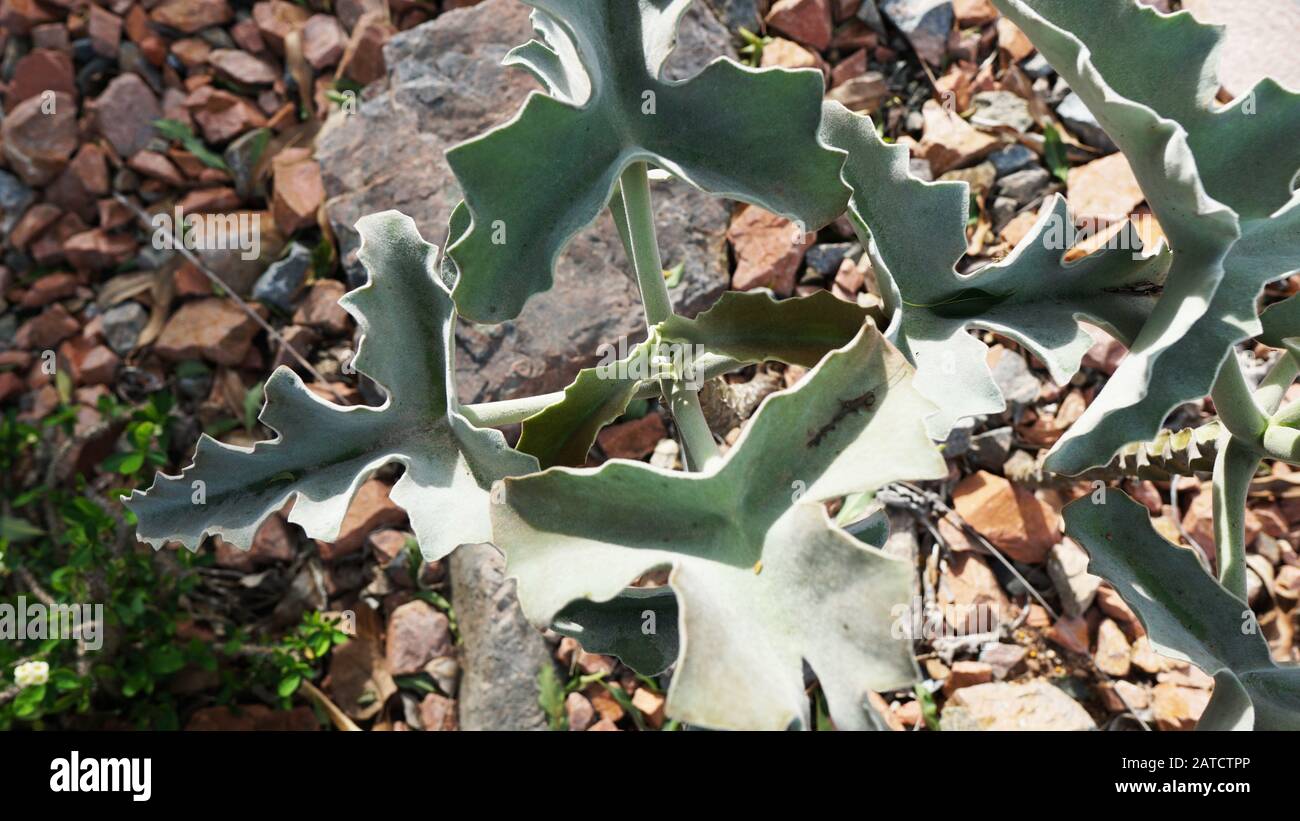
{"x": 1187, "y": 614}
{"x": 324, "y": 452}
{"x": 756, "y": 327}
{"x": 639, "y": 626}
{"x": 1281, "y": 322}
{"x": 564, "y": 432}
{"x": 745, "y": 327}
{"x": 1219, "y": 180}
{"x": 915, "y": 231}
{"x": 533, "y": 183}
{"x": 764, "y": 580}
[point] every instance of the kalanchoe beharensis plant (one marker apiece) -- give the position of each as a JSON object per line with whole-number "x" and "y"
{"x": 762, "y": 581}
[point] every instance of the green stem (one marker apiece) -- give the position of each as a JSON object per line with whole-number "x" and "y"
{"x": 1236, "y": 405}
{"x": 638, "y": 211}
{"x": 510, "y": 411}
{"x": 697, "y": 440}
{"x": 1233, "y": 469}
{"x": 644, "y": 250}
{"x": 1273, "y": 388}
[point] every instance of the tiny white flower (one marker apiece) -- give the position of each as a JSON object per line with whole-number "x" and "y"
{"x": 31, "y": 673}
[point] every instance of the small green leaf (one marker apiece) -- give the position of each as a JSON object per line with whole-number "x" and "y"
{"x": 288, "y": 685}
{"x": 175, "y": 130}
{"x": 1054, "y": 153}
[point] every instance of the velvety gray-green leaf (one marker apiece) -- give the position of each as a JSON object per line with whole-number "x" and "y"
{"x": 564, "y": 433}
{"x": 916, "y": 234}
{"x": 745, "y": 327}
{"x": 324, "y": 452}
{"x": 754, "y": 326}
{"x": 1188, "y": 615}
{"x": 764, "y": 580}
{"x": 1218, "y": 178}
{"x": 534, "y": 183}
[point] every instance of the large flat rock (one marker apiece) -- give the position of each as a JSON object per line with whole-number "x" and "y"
{"x": 446, "y": 84}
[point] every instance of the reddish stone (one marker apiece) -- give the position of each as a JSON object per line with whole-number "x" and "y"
{"x": 20, "y": 16}
{"x": 363, "y": 59}
{"x": 88, "y": 363}
{"x": 52, "y": 36}
{"x": 41, "y": 70}
{"x": 299, "y": 192}
{"x": 242, "y": 67}
{"x": 438, "y": 714}
{"x": 247, "y": 37}
{"x": 47, "y": 329}
{"x": 39, "y": 136}
{"x": 1008, "y": 516}
{"x": 804, "y": 21}
{"x": 371, "y": 509}
{"x": 768, "y": 249}
{"x": 85, "y": 178}
{"x": 105, "y": 30}
{"x": 11, "y": 385}
{"x": 125, "y": 112}
{"x": 223, "y": 115}
{"x": 190, "y": 16}
{"x": 191, "y": 51}
{"x": 98, "y": 250}
{"x": 320, "y": 308}
{"x": 324, "y": 41}
{"x": 214, "y": 329}
{"x": 417, "y": 634}
{"x": 155, "y": 165}
{"x": 632, "y": 440}
{"x": 48, "y": 248}
{"x": 210, "y": 201}
{"x": 276, "y": 19}
{"x": 33, "y": 223}
{"x": 273, "y": 542}
{"x": 49, "y": 288}
{"x": 113, "y": 214}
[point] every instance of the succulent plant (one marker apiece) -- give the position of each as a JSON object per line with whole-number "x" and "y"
{"x": 761, "y": 579}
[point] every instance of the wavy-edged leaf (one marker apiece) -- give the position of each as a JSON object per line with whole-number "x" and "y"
{"x": 1219, "y": 180}
{"x": 1281, "y": 322}
{"x": 1188, "y": 615}
{"x": 754, "y": 326}
{"x": 915, "y": 232}
{"x": 746, "y": 327}
{"x": 324, "y": 452}
{"x": 536, "y": 181}
{"x": 638, "y": 626}
{"x": 563, "y": 433}
{"x": 764, "y": 580}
